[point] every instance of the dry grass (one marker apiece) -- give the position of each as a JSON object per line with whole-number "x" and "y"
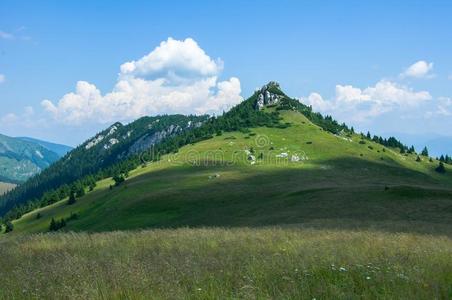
{"x": 267, "y": 263}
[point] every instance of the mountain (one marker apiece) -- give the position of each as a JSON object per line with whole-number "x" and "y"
{"x": 5, "y": 187}
{"x": 270, "y": 160}
{"x": 59, "y": 149}
{"x": 19, "y": 159}
{"x": 95, "y": 156}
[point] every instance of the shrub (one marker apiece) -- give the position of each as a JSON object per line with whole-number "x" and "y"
{"x": 9, "y": 227}
{"x": 440, "y": 168}
{"x": 72, "y": 199}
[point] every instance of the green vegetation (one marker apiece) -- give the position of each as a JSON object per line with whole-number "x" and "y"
{"x": 240, "y": 263}
{"x": 279, "y": 203}
{"x": 331, "y": 181}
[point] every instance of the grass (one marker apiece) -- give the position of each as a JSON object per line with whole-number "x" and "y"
{"x": 346, "y": 221}
{"x": 215, "y": 263}
{"x": 4, "y": 187}
{"x": 333, "y": 182}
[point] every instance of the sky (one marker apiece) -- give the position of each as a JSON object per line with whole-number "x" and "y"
{"x": 69, "y": 69}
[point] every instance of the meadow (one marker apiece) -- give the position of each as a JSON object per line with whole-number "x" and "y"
{"x": 214, "y": 263}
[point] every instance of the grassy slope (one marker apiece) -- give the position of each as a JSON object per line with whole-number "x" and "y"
{"x": 335, "y": 184}
{"x": 265, "y": 263}
{"x": 4, "y": 187}
{"x": 340, "y": 234}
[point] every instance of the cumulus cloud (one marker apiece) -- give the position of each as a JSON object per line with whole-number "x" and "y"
{"x": 176, "y": 77}
{"x": 2, "y": 78}
{"x": 360, "y": 104}
{"x": 420, "y": 69}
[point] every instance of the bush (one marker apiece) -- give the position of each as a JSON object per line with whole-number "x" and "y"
{"x": 440, "y": 168}
{"x": 57, "y": 225}
{"x": 72, "y": 199}
{"x": 9, "y": 227}
{"x": 119, "y": 179}
{"x": 362, "y": 142}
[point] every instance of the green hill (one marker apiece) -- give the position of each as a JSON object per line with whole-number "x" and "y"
{"x": 269, "y": 201}
{"x": 299, "y": 174}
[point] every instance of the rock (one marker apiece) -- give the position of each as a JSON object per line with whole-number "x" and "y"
{"x": 294, "y": 158}
{"x": 266, "y": 97}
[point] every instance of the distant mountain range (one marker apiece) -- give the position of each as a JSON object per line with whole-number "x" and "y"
{"x": 436, "y": 144}
{"x": 59, "y": 149}
{"x": 21, "y": 158}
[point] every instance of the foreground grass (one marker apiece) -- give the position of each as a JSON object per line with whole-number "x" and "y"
{"x": 276, "y": 263}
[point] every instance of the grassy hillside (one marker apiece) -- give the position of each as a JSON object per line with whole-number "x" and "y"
{"x": 315, "y": 215}
{"x": 4, "y": 187}
{"x": 212, "y": 183}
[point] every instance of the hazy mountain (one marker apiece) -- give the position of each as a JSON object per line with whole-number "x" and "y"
{"x": 21, "y": 159}
{"x": 59, "y": 149}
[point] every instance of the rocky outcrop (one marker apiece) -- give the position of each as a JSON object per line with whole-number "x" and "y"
{"x": 147, "y": 141}
{"x": 266, "y": 96}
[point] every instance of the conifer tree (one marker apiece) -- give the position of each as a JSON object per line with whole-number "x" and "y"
{"x": 52, "y": 226}
{"x": 424, "y": 151}
{"x": 72, "y": 199}
{"x": 441, "y": 169}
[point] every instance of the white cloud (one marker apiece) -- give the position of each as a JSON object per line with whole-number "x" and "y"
{"x": 2, "y": 78}
{"x": 25, "y": 119}
{"x": 174, "y": 59}
{"x": 443, "y": 108}
{"x": 360, "y": 104}
{"x": 6, "y": 35}
{"x": 420, "y": 69}
{"x": 176, "y": 77}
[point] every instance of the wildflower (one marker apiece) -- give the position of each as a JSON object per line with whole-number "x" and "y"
{"x": 199, "y": 289}
{"x": 342, "y": 269}
{"x": 368, "y": 278}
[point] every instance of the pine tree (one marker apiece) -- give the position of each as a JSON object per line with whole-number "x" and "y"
{"x": 9, "y": 227}
{"x": 424, "y": 151}
{"x": 53, "y": 225}
{"x": 418, "y": 159}
{"x": 441, "y": 159}
{"x": 368, "y": 135}
{"x": 441, "y": 169}
{"x": 72, "y": 199}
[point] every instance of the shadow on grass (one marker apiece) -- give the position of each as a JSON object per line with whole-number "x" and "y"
{"x": 338, "y": 194}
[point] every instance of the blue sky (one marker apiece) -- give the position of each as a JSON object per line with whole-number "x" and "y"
{"x": 379, "y": 66}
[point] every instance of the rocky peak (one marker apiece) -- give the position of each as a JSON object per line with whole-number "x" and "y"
{"x": 268, "y": 95}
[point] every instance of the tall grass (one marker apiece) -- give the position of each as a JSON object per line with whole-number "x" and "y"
{"x": 268, "y": 263}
